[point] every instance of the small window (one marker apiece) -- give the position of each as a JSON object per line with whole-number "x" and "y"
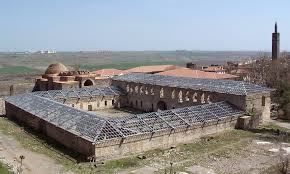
{"x": 105, "y": 103}
{"x": 113, "y": 102}
{"x": 263, "y": 101}
{"x": 90, "y": 107}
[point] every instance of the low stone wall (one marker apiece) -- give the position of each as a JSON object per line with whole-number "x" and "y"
{"x": 162, "y": 140}
{"x": 13, "y": 89}
{"x": 2, "y": 107}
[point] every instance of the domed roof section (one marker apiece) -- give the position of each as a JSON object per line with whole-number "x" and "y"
{"x": 56, "y": 68}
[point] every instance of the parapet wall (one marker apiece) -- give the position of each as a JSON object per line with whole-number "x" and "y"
{"x": 13, "y": 89}
{"x": 163, "y": 140}
{"x": 2, "y": 107}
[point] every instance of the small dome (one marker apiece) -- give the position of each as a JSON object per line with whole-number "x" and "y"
{"x": 55, "y": 68}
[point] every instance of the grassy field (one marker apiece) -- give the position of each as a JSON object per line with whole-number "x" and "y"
{"x": 119, "y": 59}
{"x": 127, "y": 65}
{"x": 17, "y": 70}
{"x": 4, "y": 169}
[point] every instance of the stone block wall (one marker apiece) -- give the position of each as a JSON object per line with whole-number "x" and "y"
{"x": 163, "y": 140}
{"x": 2, "y": 107}
{"x": 151, "y": 98}
{"x": 71, "y": 141}
{"x": 13, "y": 89}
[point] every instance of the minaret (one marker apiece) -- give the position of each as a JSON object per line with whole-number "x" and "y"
{"x": 275, "y": 44}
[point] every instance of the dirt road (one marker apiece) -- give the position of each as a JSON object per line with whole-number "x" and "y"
{"x": 34, "y": 163}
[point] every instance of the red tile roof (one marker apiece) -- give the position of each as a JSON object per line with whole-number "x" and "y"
{"x": 150, "y": 69}
{"x": 186, "y": 72}
{"x": 108, "y": 72}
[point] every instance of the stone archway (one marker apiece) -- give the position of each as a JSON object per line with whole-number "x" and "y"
{"x": 161, "y": 105}
{"x": 88, "y": 83}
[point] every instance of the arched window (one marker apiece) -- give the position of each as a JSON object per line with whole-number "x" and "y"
{"x": 161, "y": 93}
{"x": 194, "y": 97}
{"x": 88, "y": 83}
{"x": 202, "y": 100}
{"x": 136, "y": 89}
{"x": 187, "y": 96}
{"x": 146, "y": 90}
{"x": 173, "y": 94}
{"x": 180, "y": 100}
{"x": 127, "y": 88}
{"x": 152, "y": 91}
{"x": 208, "y": 99}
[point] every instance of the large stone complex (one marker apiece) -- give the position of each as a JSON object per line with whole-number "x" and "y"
{"x": 177, "y": 110}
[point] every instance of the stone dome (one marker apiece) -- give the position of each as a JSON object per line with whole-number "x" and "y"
{"x": 56, "y": 68}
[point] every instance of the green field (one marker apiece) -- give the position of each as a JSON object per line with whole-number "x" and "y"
{"x": 4, "y": 169}
{"x": 127, "y": 65}
{"x": 17, "y": 70}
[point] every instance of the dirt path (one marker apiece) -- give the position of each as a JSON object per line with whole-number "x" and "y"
{"x": 34, "y": 163}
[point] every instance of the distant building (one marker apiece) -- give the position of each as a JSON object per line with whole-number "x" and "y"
{"x": 215, "y": 69}
{"x": 187, "y": 72}
{"x": 46, "y": 52}
{"x": 275, "y": 44}
{"x": 57, "y": 77}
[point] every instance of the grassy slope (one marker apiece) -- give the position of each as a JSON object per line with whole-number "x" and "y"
{"x": 17, "y": 70}
{"x": 4, "y": 169}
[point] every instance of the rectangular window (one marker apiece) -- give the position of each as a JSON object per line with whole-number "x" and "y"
{"x": 90, "y": 107}
{"x": 263, "y": 101}
{"x": 105, "y": 103}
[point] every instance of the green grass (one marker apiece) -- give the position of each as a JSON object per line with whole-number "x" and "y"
{"x": 275, "y": 127}
{"x": 4, "y": 169}
{"x": 127, "y": 65}
{"x": 17, "y": 70}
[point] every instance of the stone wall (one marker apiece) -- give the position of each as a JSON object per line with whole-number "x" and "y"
{"x": 71, "y": 141}
{"x": 98, "y": 103}
{"x": 152, "y": 98}
{"x": 13, "y": 89}
{"x": 162, "y": 140}
{"x": 2, "y": 107}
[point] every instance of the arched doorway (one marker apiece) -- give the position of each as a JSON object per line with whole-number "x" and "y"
{"x": 161, "y": 105}
{"x": 88, "y": 83}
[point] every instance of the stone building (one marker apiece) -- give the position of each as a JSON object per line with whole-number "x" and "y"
{"x": 57, "y": 77}
{"x": 175, "y": 110}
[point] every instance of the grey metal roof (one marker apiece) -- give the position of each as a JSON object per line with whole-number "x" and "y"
{"x": 80, "y": 93}
{"x": 97, "y": 129}
{"x": 211, "y": 85}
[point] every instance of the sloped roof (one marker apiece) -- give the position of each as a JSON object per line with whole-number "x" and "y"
{"x": 108, "y": 72}
{"x": 96, "y": 129}
{"x": 211, "y": 85}
{"x": 186, "y": 72}
{"x": 150, "y": 69}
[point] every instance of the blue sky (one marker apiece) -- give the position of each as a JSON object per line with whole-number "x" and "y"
{"x": 73, "y": 25}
